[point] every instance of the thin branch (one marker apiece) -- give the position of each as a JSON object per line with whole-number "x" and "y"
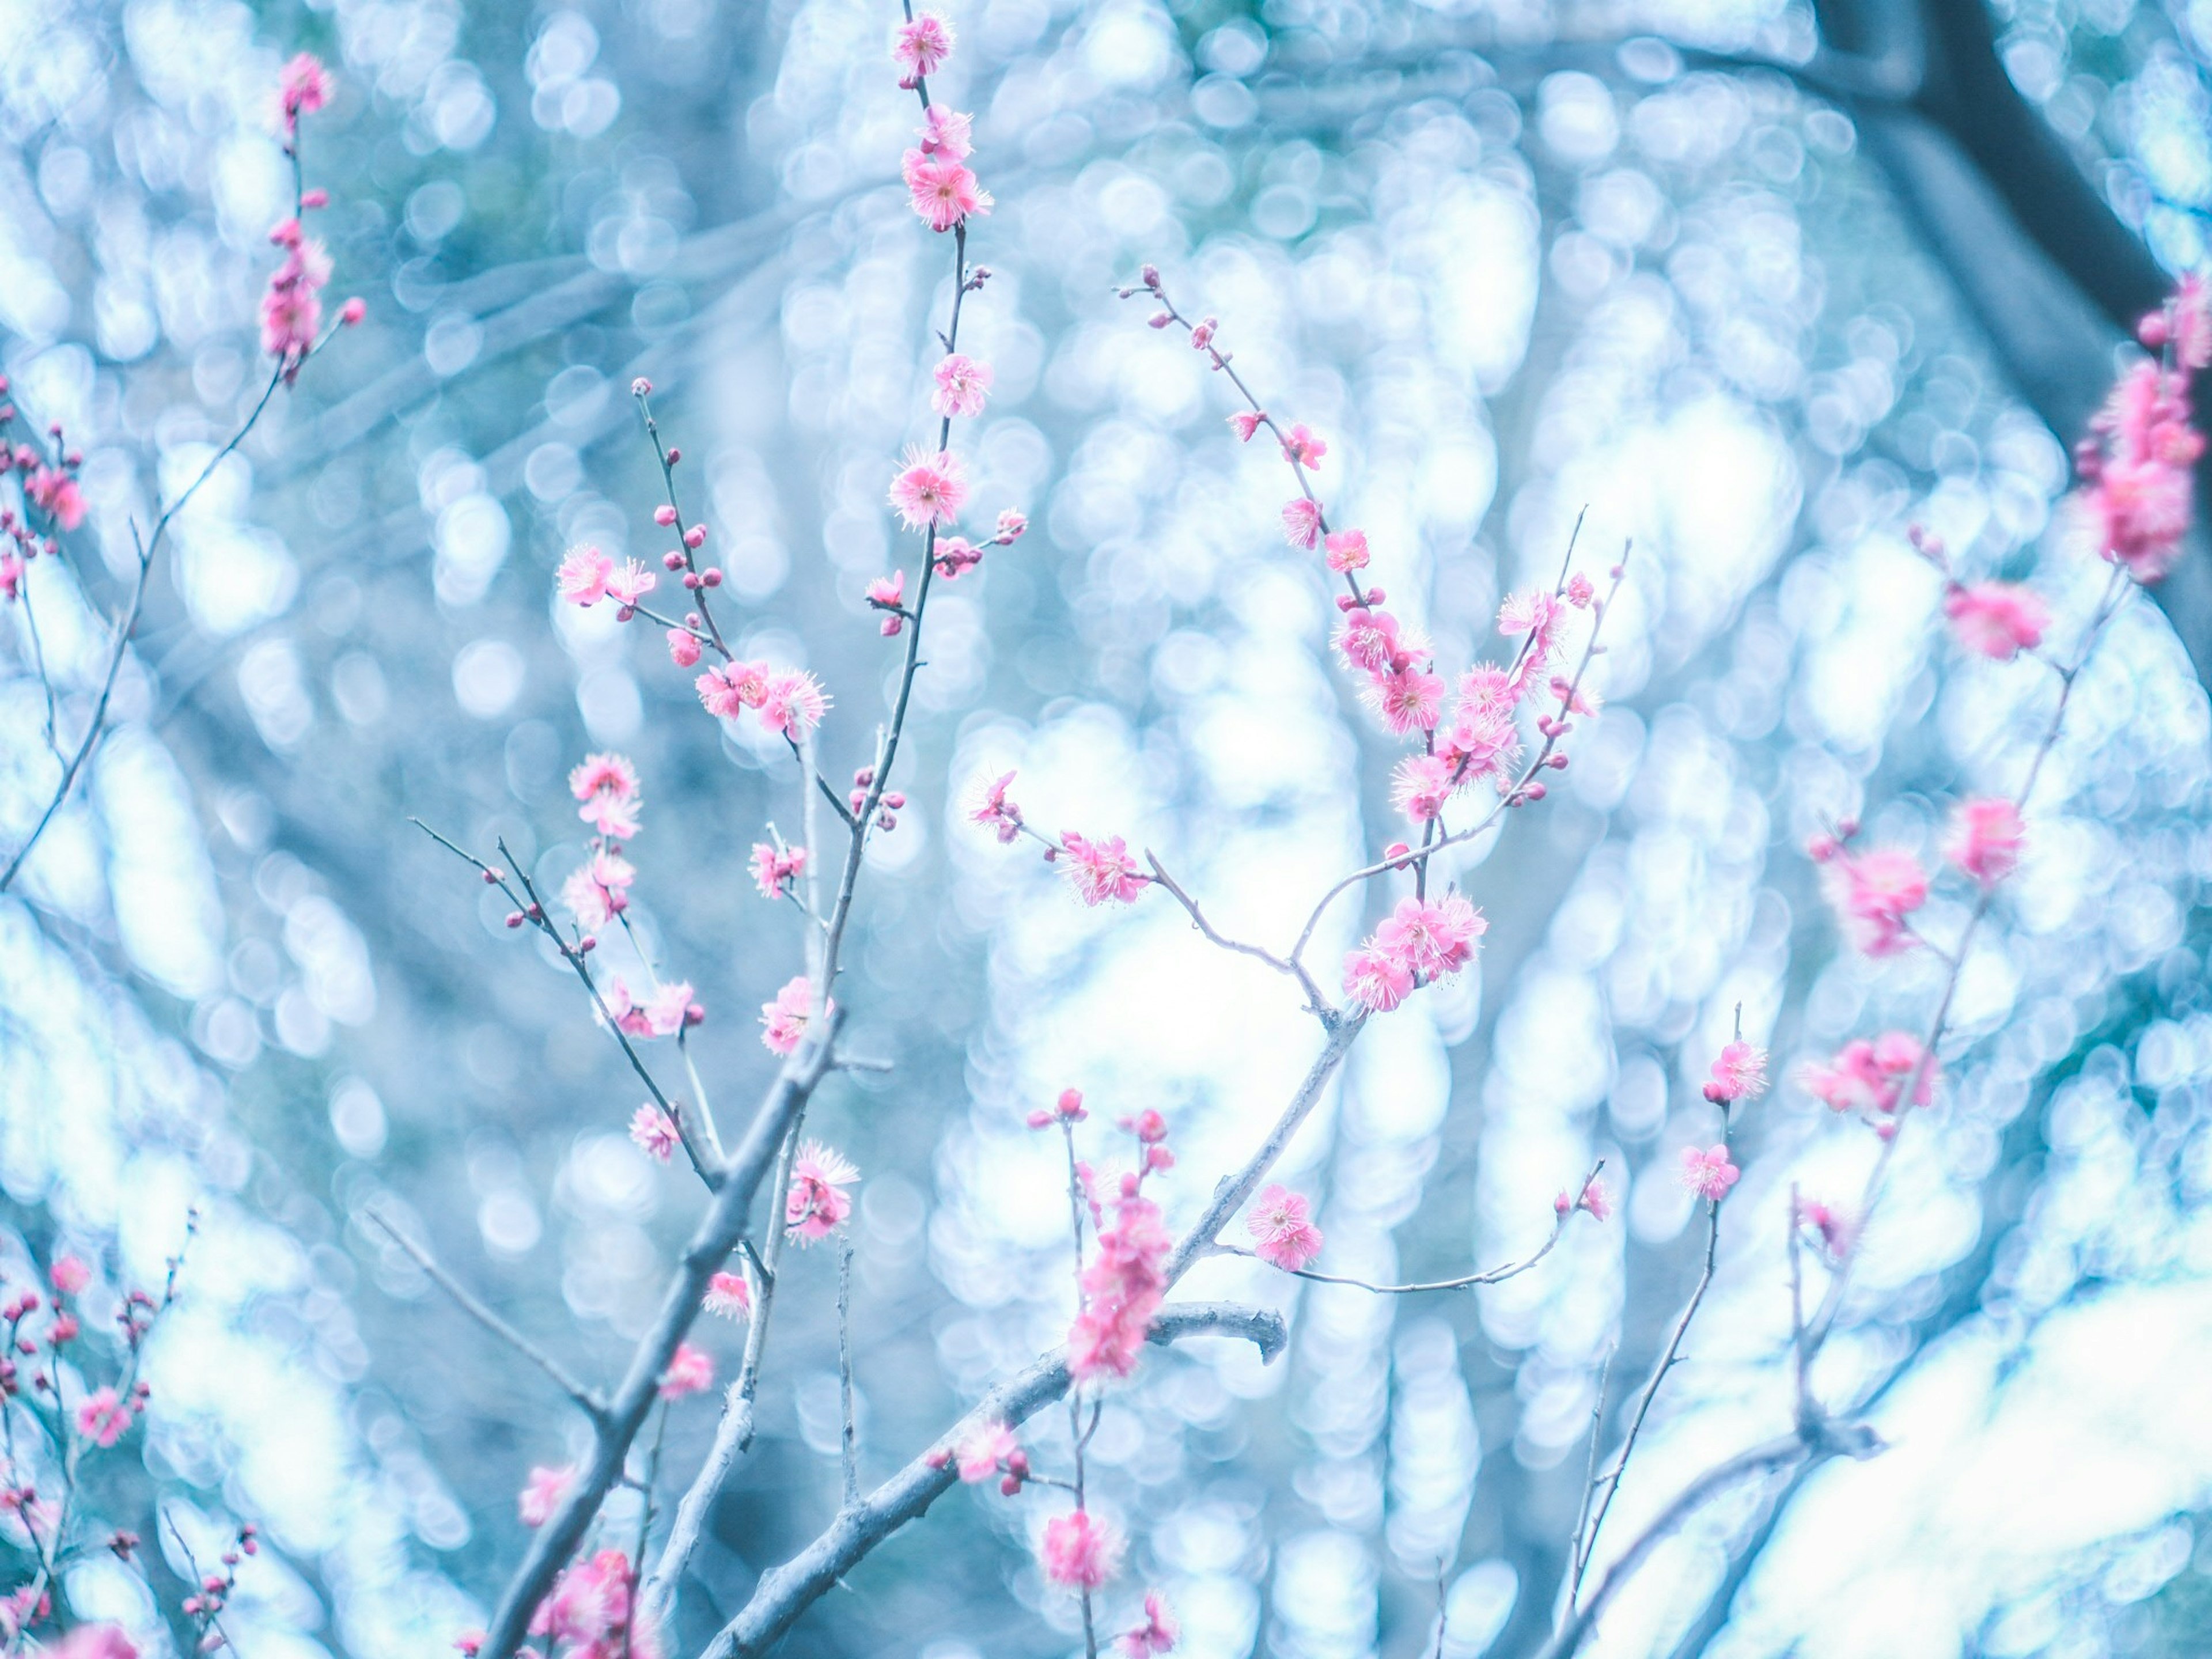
{"x": 587, "y": 1400}
{"x": 851, "y": 1440}
{"x": 1323, "y": 1010}
{"x": 785, "y": 1592}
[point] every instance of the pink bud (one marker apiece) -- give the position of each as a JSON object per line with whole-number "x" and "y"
{"x": 1150, "y": 275}
{"x": 692, "y": 580}
{"x": 674, "y": 454}
{"x": 712, "y": 576}
{"x": 1396, "y": 849}
{"x": 696, "y": 537}
{"x": 1375, "y": 596}
{"x": 1534, "y": 791}
{"x": 1562, "y": 1205}
{"x": 491, "y": 877}
{"x": 1159, "y": 319}
{"x": 641, "y": 387}
{"x": 514, "y": 918}
{"x": 895, "y": 799}
{"x": 663, "y": 515}
{"x": 672, "y": 560}
{"x": 353, "y": 311}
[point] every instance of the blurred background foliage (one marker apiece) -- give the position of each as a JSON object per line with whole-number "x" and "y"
{"x": 1514, "y": 260}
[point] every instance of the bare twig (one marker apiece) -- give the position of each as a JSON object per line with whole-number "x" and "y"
{"x": 586, "y": 1399}
{"x": 851, "y": 1443}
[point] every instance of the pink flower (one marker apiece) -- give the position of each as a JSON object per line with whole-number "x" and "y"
{"x": 1708, "y": 1174}
{"x": 1347, "y": 550}
{"x": 955, "y": 557}
{"x": 588, "y": 1612}
{"x": 302, "y": 88}
{"x": 817, "y": 1203}
{"x": 772, "y": 868}
{"x": 669, "y": 1008}
{"x": 728, "y": 1295}
{"x": 1375, "y": 981}
{"x": 654, "y": 1133}
{"x": 1283, "y": 1233}
{"x": 1740, "y": 1073}
{"x": 1101, "y": 871}
{"x": 69, "y": 1275}
{"x": 1479, "y": 742}
{"x": 794, "y": 703}
{"x": 1408, "y": 699}
{"x": 1158, "y": 1634}
{"x": 606, "y": 784}
{"x": 630, "y": 583}
{"x": 54, "y": 491}
{"x": 1302, "y": 521}
{"x": 690, "y": 1371}
{"x": 1597, "y": 1198}
{"x": 783, "y": 1022}
{"x": 1986, "y": 839}
{"x": 980, "y": 1451}
{"x": 583, "y": 575}
{"x": 597, "y": 891}
{"x": 1875, "y": 891}
{"x": 102, "y": 1418}
{"x": 962, "y": 386}
{"x": 1998, "y": 619}
{"x": 94, "y": 1642}
{"x": 1435, "y": 937}
{"x": 1538, "y": 614}
{"x": 353, "y": 311}
{"x": 1067, "y": 1110}
{"x": 1421, "y": 785}
{"x": 1868, "y": 1077}
{"x": 544, "y": 1493}
{"x": 683, "y": 647}
{"x": 727, "y": 691}
{"x": 1834, "y": 1231}
{"x": 994, "y": 809}
{"x": 947, "y": 133}
{"x": 1245, "y": 424}
{"x": 1301, "y": 448}
{"x": 943, "y": 191}
{"x": 1122, "y": 1289}
{"x": 1011, "y": 526}
{"x": 888, "y": 593}
{"x": 1080, "y": 1552}
{"x": 1580, "y": 592}
{"x": 920, "y": 46}
{"x": 930, "y": 489}
{"x": 1369, "y": 639}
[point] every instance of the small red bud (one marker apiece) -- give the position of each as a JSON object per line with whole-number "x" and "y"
{"x": 514, "y": 918}
{"x": 491, "y": 877}
{"x": 711, "y": 576}
{"x": 895, "y": 799}
{"x": 674, "y": 454}
{"x": 696, "y": 537}
{"x": 691, "y": 581}
{"x": 672, "y": 560}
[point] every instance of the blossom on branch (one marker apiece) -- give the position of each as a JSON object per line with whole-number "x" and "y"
{"x": 930, "y": 489}
{"x": 1986, "y": 839}
{"x": 1079, "y": 1551}
{"x": 1158, "y": 1634}
{"x": 1997, "y": 619}
{"x": 544, "y": 1492}
{"x": 919, "y": 47}
{"x": 728, "y": 1295}
{"x": 1738, "y": 1073}
{"x": 654, "y": 1133}
{"x": 606, "y": 785}
{"x": 1101, "y": 871}
{"x": 783, "y": 1022}
{"x": 1875, "y": 891}
{"x": 817, "y": 1203}
{"x": 1122, "y": 1289}
{"x": 1283, "y": 1233}
{"x": 992, "y": 808}
{"x": 961, "y": 384}
{"x": 1708, "y": 1173}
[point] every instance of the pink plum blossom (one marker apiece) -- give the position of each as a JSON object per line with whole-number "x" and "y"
{"x": 1347, "y": 550}
{"x": 930, "y": 489}
{"x": 1079, "y": 1551}
{"x": 1875, "y": 891}
{"x": 1997, "y": 619}
{"x": 654, "y": 1133}
{"x": 992, "y": 808}
{"x": 583, "y": 575}
{"x": 1283, "y": 1233}
{"x": 962, "y": 386}
{"x": 728, "y": 1295}
{"x": 1708, "y": 1173}
{"x": 1302, "y": 522}
{"x": 103, "y": 1417}
{"x": 783, "y": 1022}
{"x": 544, "y": 1492}
{"x": 1101, "y": 871}
{"x": 1986, "y": 839}
{"x": 817, "y": 1203}
{"x": 1738, "y": 1073}
{"x": 690, "y": 1371}
{"x": 920, "y": 45}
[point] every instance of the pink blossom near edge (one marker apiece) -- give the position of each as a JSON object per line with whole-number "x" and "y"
{"x": 729, "y": 1296}
{"x": 783, "y": 1022}
{"x": 920, "y": 45}
{"x": 102, "y": 1418}
{"x": 1302, "y": 522}
{"x": 1738, "y": 1073}
{"x": 1985, "y": 840}
{"x": 963, "y": 384}
{"x": 690, "y": 1371}
{"x": 930, "y": 489}
{"x": 1875, "y": 892}
{"x": 1079, "y": 1551}
{"x": 95, "y": 1642}
{"x": 542, "y": 1493}
{"x": 1999, "y": 620}
{"x": 1708, "y": 1172}
{"x": 1157, "y": 1633}
{"x": 1282, "y": 1228}
{"x": 1101, "y": 871}
{"x": 817, "y": 1203}
{"x": 654, "y": 1132}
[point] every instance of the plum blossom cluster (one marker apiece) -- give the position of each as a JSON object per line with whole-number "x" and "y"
{"x": 53, "y": 504}
{"x": 206, "y": 1605}
{"x": 591, "y": 1613}
{"x": 2137, "y": 463}
{"x": 1421, "y": 942}
{"x": 292, "y": 306}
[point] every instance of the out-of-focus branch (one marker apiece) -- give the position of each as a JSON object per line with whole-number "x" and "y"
{"x": 788, "y": 1590}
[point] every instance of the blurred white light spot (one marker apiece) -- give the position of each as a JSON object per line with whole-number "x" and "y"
{"x": 276, "y": 694}
{"x": 471, "y": 539}
{"x": 488, "y": 675}
{"x": 358, "y": 1118}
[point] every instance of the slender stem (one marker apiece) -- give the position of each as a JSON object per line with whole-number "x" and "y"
{"x": 852, "y": 1448}
{"x": 587, "y": 1400}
